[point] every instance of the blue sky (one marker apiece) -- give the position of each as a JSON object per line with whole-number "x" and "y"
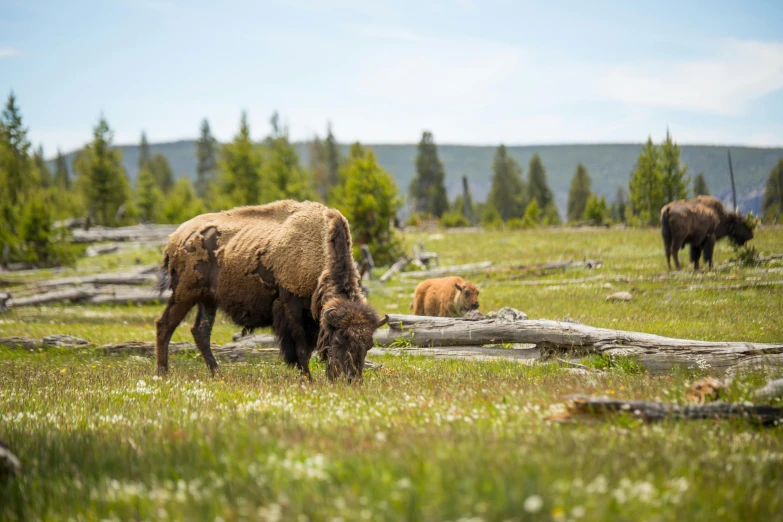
{"x": 472, "y": 72}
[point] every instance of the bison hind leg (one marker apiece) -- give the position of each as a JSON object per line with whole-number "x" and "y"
{"x": 202, "y": 331}
{"x": 709, "y": 247}
{"x": 165, "y": 325}
{"x": 695, "y": 255}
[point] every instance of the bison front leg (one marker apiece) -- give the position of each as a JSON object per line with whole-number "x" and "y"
{"x": 293, "y": 338}
{"x": 165, "y": 325}
{"x": 202, "y": 330}
{"x": 695, "y": 256}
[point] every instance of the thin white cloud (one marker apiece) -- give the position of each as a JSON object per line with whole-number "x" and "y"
{"x": 726, "y": 84}
{"x": 8, "y": 52}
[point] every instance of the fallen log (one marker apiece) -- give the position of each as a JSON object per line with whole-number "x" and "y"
{"x": 551, "y": 265}
{"x": 70, "y": 295}
{"x": 135, "y": 296}
{"x": 140, "y": 233}
{"x": 770, "y": 390}
{"x": 447, "y": 270}
{"x": 652, "y": 411}
{"x": 658, "y": 354}
{"x": 137, "y": 277}
{"x": 396, "y": 267}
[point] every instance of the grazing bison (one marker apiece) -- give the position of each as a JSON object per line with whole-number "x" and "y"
{"x": 706, "y": 222}
{"x": 287, "y": 265}
{"x": 445, "y": 297}
{"x": 684, "y": 222}
{"x": 731, "y": 224}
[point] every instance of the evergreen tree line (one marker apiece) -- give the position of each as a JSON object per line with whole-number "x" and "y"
{"x": 241, "y": 172}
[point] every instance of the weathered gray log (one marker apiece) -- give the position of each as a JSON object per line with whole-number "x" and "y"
{"x": 253, "y": 341}
{"x": 57, "y": 296}
{"x": 396, "y": 267}
{"x": 657, "y": 411}
{"x": 448, "y": 270}
{"x": 463, "y": 352}
{"x": 4, "y": 298}
{"x": 9, "y": 463}
{"x": 25, "y": 343}
{"x": 136, "y": 277}
{"x": 133, "y": 296}
{"x": 656, "y": 353}
{"x": 550, "y": 265}
{"x": 99, "y": 250}
{"x": 770, "y": 390}
{"x": 141, "y": 233}
{"x": 63, "y": 341}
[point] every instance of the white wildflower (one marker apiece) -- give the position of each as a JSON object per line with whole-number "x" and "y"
{"x": 533, "y": 504}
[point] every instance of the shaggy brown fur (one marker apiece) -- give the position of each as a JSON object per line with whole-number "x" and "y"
{"x": 731, "y": 224}
{"x": 684, "y": 222}
{"x": 445, "y": 297}
{"x": 271, "y": 265}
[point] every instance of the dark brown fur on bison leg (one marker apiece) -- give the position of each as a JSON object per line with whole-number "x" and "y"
{"x": 202, "y": 330}
{"x": 165, "y": 326}
{"x": 289, "y": 326}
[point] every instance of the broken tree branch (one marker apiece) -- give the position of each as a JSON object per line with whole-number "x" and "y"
{"x": 396, "y": 267}
{"x": 656, "y": 411}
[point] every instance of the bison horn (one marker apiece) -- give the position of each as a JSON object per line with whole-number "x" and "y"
{"x": 383, "y": 321}
{"x": 328, "y": 319}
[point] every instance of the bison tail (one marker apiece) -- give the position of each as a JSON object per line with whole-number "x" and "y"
{"x": 665, "y": 229}
{"x": 164, "y": 278}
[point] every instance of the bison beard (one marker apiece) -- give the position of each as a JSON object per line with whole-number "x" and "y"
{"x": 277, "y": 265}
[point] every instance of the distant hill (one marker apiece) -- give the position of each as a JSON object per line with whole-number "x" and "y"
{"x": 609, "y": 165}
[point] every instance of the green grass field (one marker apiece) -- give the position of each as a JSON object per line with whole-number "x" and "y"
{"x": 421, "y": 439}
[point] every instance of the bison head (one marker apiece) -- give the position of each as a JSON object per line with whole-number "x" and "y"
{"x": 346, "y": 334}
{"x": 739, "y": 231}
{"x": 467, "y": 296}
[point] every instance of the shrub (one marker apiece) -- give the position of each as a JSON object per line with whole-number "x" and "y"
{"x": 454, "y": 219}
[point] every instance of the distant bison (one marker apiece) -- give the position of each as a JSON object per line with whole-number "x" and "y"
{"x": 287, "y": 265}
{"x": 684, "y": 222}
{"x": 699, "y": 222}
{"x": 445, "y": 297}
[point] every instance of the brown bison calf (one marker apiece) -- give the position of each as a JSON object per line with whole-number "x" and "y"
{"x": 445, "y": 297}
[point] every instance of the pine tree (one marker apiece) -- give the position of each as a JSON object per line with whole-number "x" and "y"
{"x": 182, "y": 203}
{"x": 144, "y": 152}
{"x": 427, "y": 189}
{"x": 62, "y": 178}
{"x": 617, "y": 210}
{"x": 239, "y": 169}
{"x": 508, "y": 189}
{"x": 162, "y": 172}
{"x": 532, "y": 215}
{"x": 206, "y": 154}
{"x": 539, "y": 190}
{"x": 149, "y": 197}
{"x": 646, "y": 185}
{"x": 674, "y": 181}
{"x": 44, "y": 174}
{"x": 596, "y": 210}
{"x": 578, "y": 194}
{"x": 282, "y": 175}
{"x": 315, "y": 150}
{"x": 700, "y": 185}
{"x": 15, "y": 167}
{"x": 101, "y": 178}
{"x": 331, "y": 157}
{"x": 772, "y": 202}
{"x": 369, "y": 199}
